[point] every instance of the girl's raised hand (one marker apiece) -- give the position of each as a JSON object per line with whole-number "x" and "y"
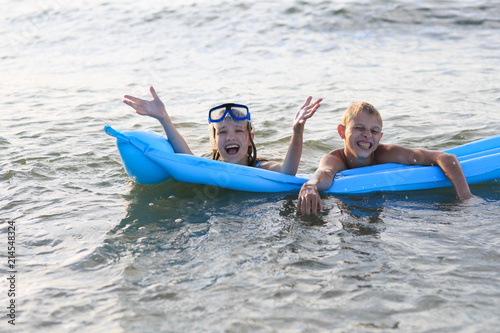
{"x": 154, "y": 108}
{"x": 306, "y": 111}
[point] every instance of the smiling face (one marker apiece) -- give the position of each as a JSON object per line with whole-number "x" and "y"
{"x": 361, "y": 134}
{"x": 232, "y": 140}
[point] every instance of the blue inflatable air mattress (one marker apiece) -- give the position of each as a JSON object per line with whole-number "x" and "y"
{"x": 149, "y": 159}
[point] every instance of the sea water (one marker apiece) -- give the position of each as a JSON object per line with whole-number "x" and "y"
{"x": 95, "y": 252}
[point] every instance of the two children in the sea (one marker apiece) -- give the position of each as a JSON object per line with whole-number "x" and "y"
{"x": 361, "y": 130}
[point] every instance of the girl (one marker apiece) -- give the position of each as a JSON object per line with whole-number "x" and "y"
{"x": 231, "y": 132}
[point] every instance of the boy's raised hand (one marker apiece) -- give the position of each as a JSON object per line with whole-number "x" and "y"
{"x": 306, "y": 111}
{"x": 154, "y": 108}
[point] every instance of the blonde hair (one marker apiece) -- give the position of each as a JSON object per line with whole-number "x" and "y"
{"x": 360, "y": 108}
{"x": 252, "y": 150}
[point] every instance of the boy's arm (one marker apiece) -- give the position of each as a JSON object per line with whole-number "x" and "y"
{"x": 292, "y": 159}
{"x": 447, "y": 162}
{"x": 156, "y": 109}
{"x": 309, "y": 200}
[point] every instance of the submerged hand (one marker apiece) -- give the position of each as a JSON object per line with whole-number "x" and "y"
{"x": 154, "y": 108}
{"x": 309, "y": 200}
{"x": 306, "y": 111}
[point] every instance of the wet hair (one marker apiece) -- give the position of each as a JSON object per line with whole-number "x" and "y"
{"x": 252, "y": 150}
{"x": 360, "y": 108}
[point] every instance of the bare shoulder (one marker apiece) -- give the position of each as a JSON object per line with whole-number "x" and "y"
{"x": 383, "y": 149}
{"x": 269, "y": 165}
{"x": 391, "y": 154}
{"x": 337, "y": 153}
{"x": 334, "y": 160}
{"x": 404, "y": 155}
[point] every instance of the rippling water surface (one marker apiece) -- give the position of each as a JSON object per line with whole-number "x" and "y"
{"x": 97, "y": 253}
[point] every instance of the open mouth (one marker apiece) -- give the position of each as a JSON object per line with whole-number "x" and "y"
{"x": 365, "y": 145}
{"x": 232, "y": 149}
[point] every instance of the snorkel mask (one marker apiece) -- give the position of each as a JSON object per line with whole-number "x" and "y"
{"x": 237, "y": 111}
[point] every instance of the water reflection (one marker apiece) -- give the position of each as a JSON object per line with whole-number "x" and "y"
{"x": 167, "y": 203}
{"x": 167, "y": 212}
{"x": 179, "y": 219}
{"x": 359, "y": 215}
{"x": 169, "y": 216}
{"x": 289, "y": 210}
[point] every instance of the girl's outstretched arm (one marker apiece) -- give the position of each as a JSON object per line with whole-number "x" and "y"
{"x": 156, "y": 109}
{"x": 292, "y": 159}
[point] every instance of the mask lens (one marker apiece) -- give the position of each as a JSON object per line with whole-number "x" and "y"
{"x": 217, "y": 113}
{"x": 239, "y": 112}
{"x": 236, "y": 111}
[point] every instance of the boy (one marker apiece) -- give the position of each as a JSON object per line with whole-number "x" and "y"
{"x": 361, "y": 130}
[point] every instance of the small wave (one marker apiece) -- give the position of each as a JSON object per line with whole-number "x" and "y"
{"x": 7, "y": 174}
{"x": 378, "y": 14}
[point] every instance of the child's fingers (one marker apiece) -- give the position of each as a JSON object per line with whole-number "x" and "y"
{"x": 314, "y": 106}
{"x": 131, "y": 104}
{"x": 307, "y": 110}
{"x": 308, "y": 105}
{"x": 305, "y": 207}
{"x": 307, "y": 102}
{"x": 309, "y": 113}
{"x": 314, "y": 205}
{"x": 153, "y": 92}
{"x": 134, "y": 99}
{"x": 302, "y": 206}
{"x": 309, "y": 205}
